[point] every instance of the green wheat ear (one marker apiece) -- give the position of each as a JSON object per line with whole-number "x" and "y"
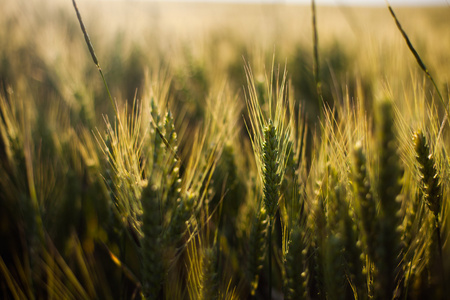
{"x": 151, "y": 255}
{"x": 210, "y": 278}
{"x": 366, "y": 206}
{"x": 272, "y": 182}
{"x": 257, "y": 248}
{"x": 317, "y": 225}
{"x": 352, "y": 254}
{"x": 432, "y": 189}
{"x": 296, "y": 273}
{"x": 180, "y": 219}
{"x": 366, "y": 217}
{"x": 270, "y": 171}
{"x": 390, "y": 175}
{"x": 333, "y": 247}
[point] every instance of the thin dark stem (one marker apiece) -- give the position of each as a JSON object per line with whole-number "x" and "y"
{"x": 270, "y": 258}
{"x": 94, "y": 57}
{"x": 316, "y": 58}
{"x": 441, "y": 262}
{"x": 417, "y": 56}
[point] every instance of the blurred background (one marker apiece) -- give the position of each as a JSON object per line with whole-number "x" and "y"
{"x": 45, "y": 49}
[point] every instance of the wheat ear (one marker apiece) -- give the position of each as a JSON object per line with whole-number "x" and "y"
{"x": 389, "y": 187}
{"x": 432, "y": 188}
{"x": 257, "y": 248}
{"x": 151, "y": 255}
{"x": 296, "y": 274}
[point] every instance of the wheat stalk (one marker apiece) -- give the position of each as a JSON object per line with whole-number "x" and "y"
{"x": 417, "y": 56}
{"x": 94, "y": 57}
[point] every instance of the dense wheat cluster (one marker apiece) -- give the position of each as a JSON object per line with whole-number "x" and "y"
{"x": 155, "y": 150}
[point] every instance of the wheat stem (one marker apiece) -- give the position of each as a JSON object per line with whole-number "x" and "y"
{"x": 269, "y": 237}
{"x": 441, "y": 258}
{"x": 94, "y": 57}
{"x": 416, "y": 55}
{"x": 316, "y": 65}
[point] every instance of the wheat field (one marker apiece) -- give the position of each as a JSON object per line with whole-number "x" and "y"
{"x": 153, "y": 150}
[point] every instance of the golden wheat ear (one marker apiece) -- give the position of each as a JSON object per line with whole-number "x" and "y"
{"x": 431, "y": 189}
{"x": 431, "y": 182}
